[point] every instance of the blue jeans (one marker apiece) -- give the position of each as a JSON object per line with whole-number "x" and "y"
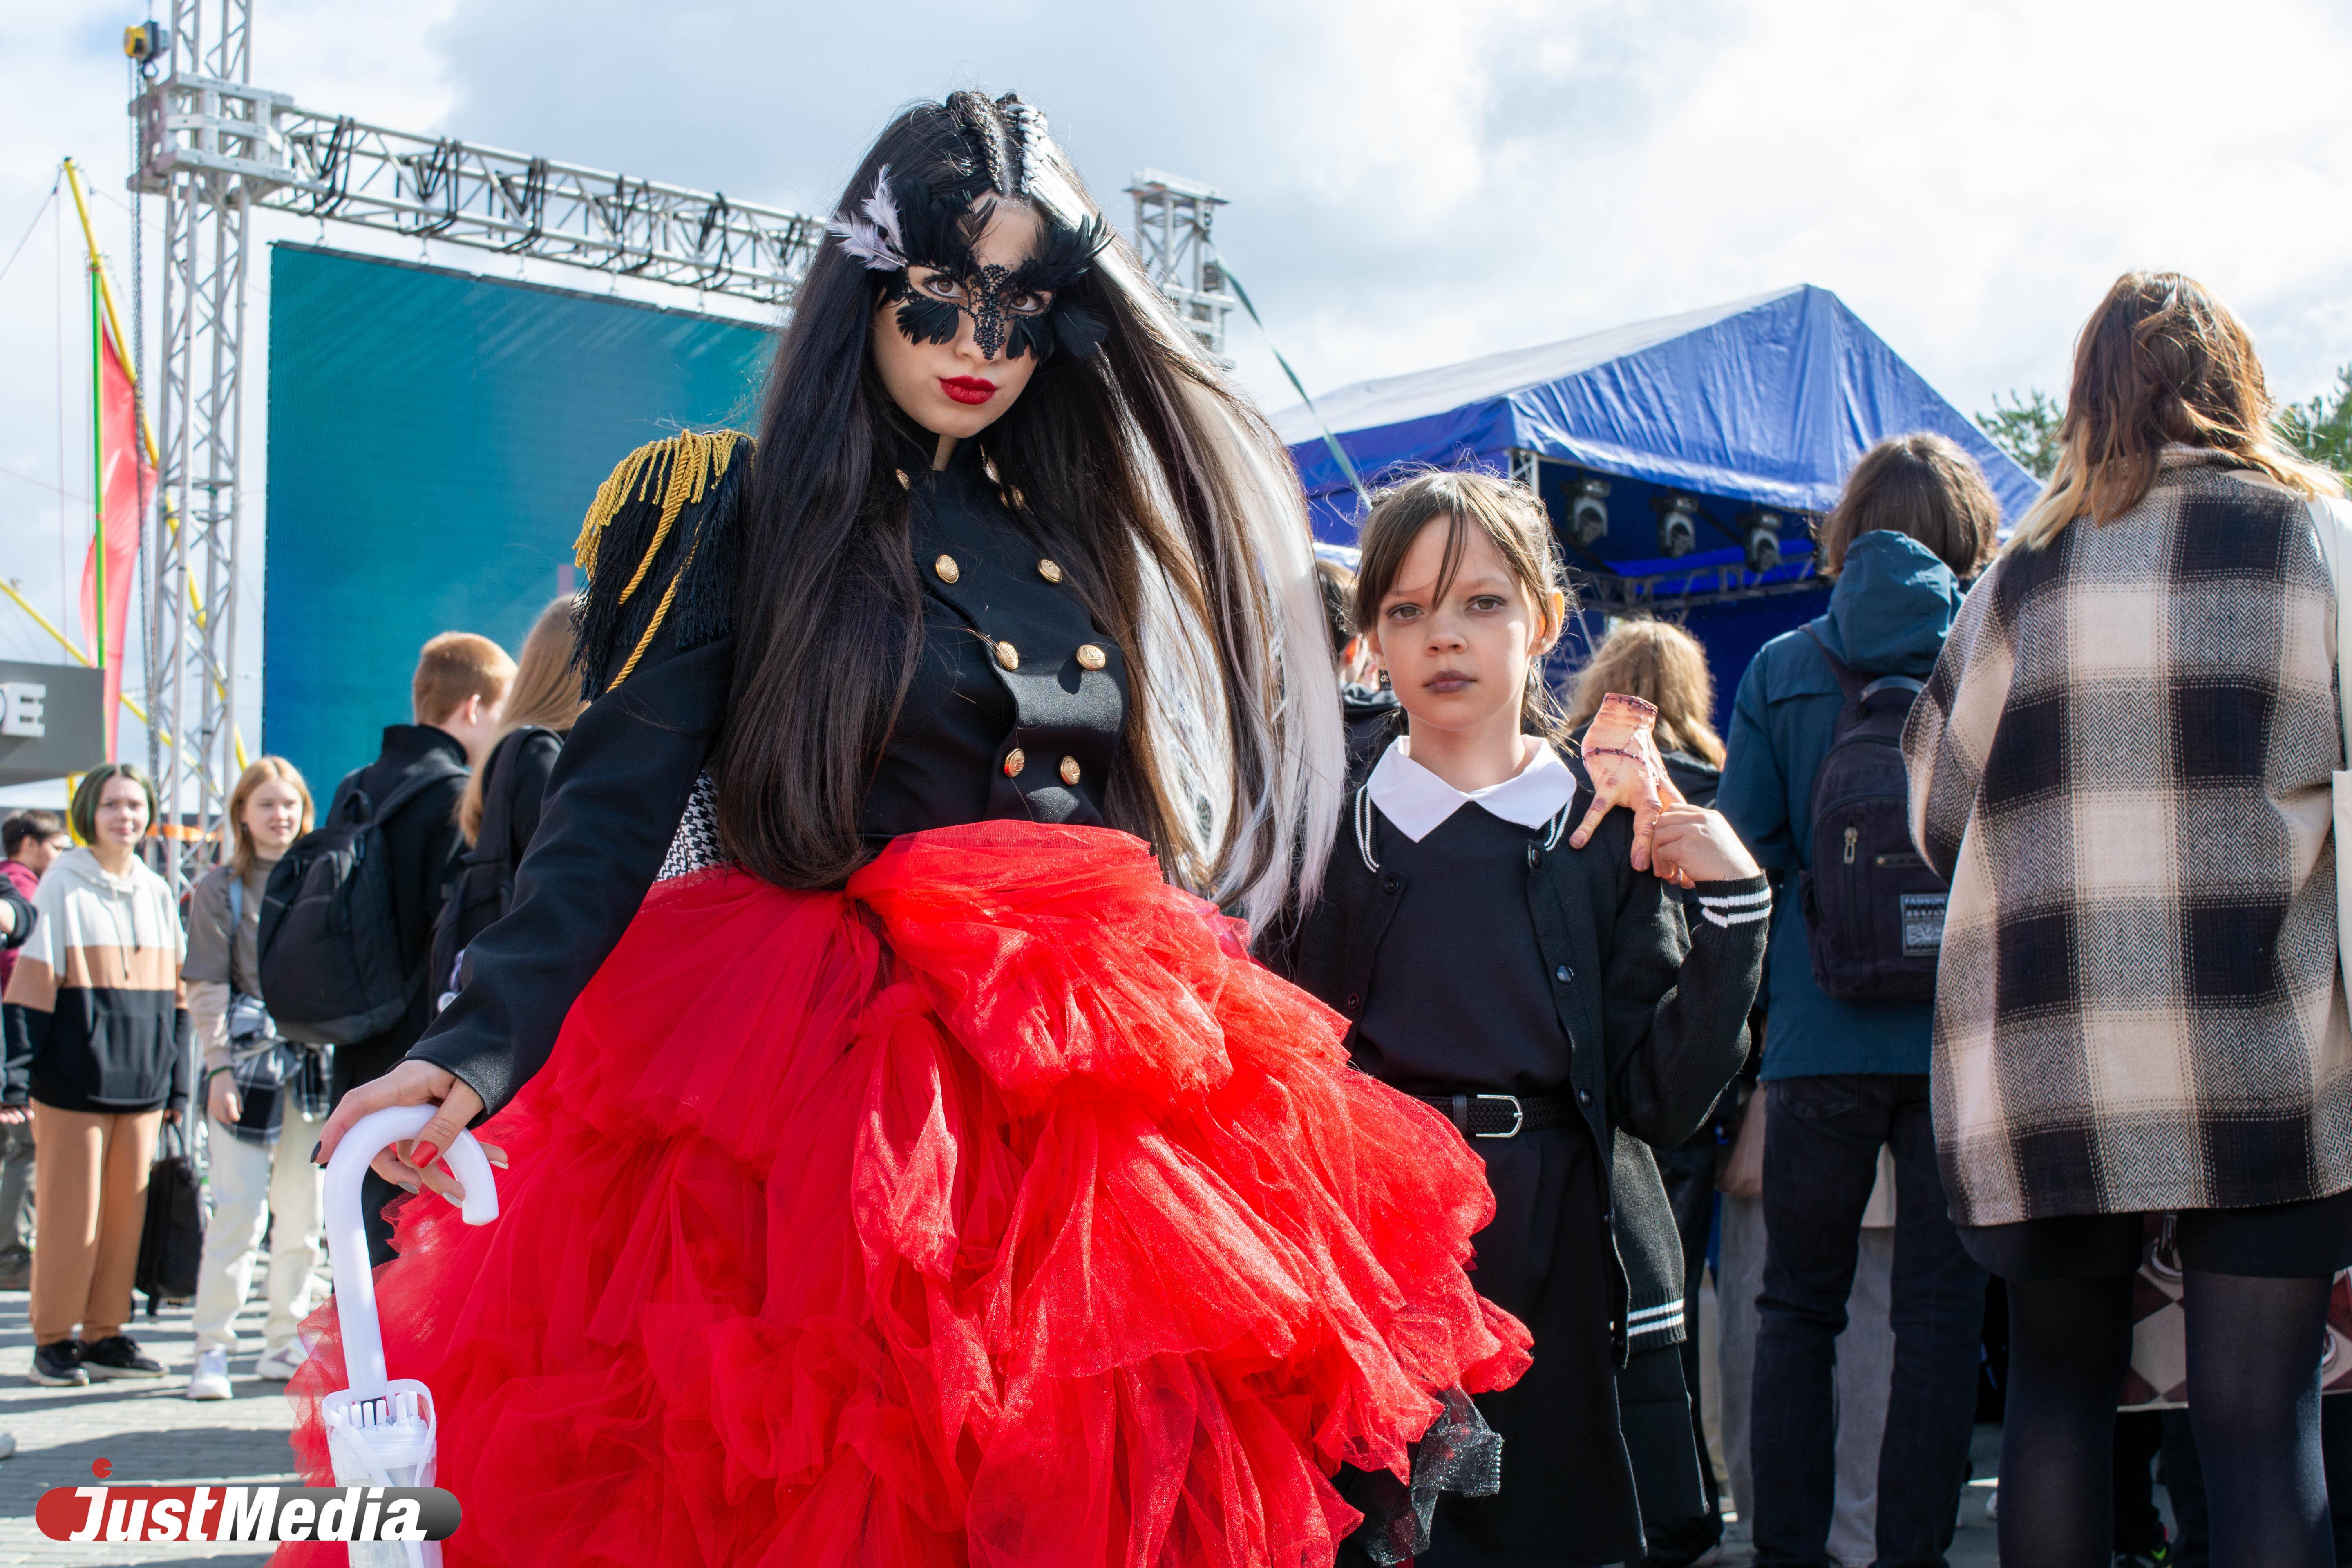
{"x": 1821, "y": 1140}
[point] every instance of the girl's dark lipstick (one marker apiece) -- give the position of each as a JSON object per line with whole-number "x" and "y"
{"x": 967, "y": 388}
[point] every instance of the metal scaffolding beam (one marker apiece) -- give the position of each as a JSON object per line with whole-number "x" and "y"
{"x": 289, "y": 159}
{"x": 191, "y": 657}
{"x": 217, "y": 149}
{"x": 1173, "y": 219}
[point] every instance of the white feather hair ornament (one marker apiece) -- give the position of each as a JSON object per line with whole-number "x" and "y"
{"x": 874, "y": 237}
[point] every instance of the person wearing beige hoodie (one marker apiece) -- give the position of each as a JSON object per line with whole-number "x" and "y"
{"x": 97, "y": 1043}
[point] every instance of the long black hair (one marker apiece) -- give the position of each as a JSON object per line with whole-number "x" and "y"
{"x": 1162, "y": 492}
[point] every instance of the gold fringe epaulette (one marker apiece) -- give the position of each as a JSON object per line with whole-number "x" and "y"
{"x": 682, "y": 488}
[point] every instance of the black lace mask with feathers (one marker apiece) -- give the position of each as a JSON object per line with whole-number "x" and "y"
{"x": 923, "y": 239}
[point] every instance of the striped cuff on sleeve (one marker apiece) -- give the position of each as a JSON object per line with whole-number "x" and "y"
{"x": 1735, "y": 908}
{"x": 1665, "y": 1319}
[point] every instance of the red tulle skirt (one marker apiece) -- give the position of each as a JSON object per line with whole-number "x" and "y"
{"x": 1000, "y": 1210}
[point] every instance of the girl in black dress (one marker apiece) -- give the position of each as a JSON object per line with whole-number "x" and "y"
{"x": 1546, "y": 994}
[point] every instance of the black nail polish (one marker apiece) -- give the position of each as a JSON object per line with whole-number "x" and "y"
{"x": 314, "y": 1150}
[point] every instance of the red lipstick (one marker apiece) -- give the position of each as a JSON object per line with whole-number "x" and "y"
{"x": 967, "y": 388}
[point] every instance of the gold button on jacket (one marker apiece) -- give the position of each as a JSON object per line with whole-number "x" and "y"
{"x": 1049, "y": 571}
{"x": 1069, "y": 770}
{"x": 1008, "y": 656}
{"x": 1014, "y": 760}
{"x": 1091, "y": 657}
{"x": 947, "y": 569}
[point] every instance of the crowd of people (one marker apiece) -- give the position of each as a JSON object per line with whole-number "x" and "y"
{"x": 125, "y": 1008}
{"x": 1003, "y": 1052}
{"x": 2053, "y": 956}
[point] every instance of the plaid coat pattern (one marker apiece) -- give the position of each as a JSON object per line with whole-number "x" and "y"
{"x": 2121, "y": 765}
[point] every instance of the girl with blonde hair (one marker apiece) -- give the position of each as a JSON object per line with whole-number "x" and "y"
{"x": 1665, "y": 665}
{"x": 266, "y": 1096}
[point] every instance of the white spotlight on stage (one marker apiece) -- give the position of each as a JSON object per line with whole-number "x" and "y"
{"x": 1588, "y": 507}
{"x": 1677, "y": 523}
{"x": 1763, "y": 528}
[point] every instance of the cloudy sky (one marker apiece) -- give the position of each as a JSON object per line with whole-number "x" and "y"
{"x": 1411, "y": 182}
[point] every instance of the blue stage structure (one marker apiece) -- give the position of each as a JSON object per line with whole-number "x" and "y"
{"x": 1683, "y": 459}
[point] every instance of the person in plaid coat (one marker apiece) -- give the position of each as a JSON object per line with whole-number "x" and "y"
{"x": 2122, "y": 763}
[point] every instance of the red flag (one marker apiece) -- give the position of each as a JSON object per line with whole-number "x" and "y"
{"x": 129, "y": 481}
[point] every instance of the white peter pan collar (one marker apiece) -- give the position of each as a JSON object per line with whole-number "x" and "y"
{"x": 1415, "y": 800}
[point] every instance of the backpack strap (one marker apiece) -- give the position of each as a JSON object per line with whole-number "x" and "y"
{"x": 498, "y": 805}
{"x": 1849, "y": 682}
{"x": 344, "y": 791}
{"x": 1859, "y": 690}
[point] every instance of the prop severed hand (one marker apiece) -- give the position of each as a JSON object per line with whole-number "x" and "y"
{"x": 1627, "y": 771}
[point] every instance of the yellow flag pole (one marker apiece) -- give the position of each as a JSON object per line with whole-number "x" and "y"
{"x": 64, "y": 641}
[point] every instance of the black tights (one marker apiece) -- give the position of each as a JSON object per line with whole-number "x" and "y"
{"x": 2254, "y": 1398}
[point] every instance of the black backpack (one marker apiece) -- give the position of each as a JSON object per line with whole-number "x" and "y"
{"x": 484, "y": 887}
{"x": 330, "y": 945}
{"x": 171, "y": 1244}
{"x": 1874, "y": 911}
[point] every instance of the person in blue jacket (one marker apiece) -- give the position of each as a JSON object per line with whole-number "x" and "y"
{"x": 1844, "y": 1078}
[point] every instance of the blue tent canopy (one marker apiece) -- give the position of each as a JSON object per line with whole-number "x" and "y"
{"x": 1766, "y": 400}
{"x": 1761, "y": 404}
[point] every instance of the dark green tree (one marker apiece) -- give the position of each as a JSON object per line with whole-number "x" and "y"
{"x": 2027, "y": 429}
{"x": 2321, "y": 429}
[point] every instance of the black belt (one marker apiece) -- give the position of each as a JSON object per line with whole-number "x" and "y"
{"x": 1503, "y": 1115}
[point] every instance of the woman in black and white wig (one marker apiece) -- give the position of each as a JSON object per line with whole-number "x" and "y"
{"x": 908, "y": 1163}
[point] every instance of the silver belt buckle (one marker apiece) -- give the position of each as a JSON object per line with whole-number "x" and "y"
{"x": 1518, "y": 1116}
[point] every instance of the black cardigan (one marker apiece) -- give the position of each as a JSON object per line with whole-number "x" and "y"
{"x": 1668, "y": 1010}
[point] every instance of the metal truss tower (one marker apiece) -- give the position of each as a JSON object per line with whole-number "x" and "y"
{"x": 216, "y": 149}
{"x": 207, "y": 199}
{"x": 1173, "y": 218}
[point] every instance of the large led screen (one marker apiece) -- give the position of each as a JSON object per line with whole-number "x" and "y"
{"x": 434, "y": 440}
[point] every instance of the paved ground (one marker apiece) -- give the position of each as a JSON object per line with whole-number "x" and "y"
{"x": 152, "y": 1435}
{"x": 1972, "y": 1546}
{"x": 149, "y": 1433}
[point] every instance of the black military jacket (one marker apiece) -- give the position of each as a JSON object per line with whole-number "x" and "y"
{"x": 1017, "y": 711}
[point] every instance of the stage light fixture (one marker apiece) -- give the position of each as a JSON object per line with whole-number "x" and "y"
{"x": 147, "y": 43}
{"x": 1763, "y": 528}
{"x": 1677, "y": 523}
{"x": 1588, "y": 509}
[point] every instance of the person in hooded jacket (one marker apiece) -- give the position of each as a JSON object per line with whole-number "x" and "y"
{"x": 1845, "y": 1077}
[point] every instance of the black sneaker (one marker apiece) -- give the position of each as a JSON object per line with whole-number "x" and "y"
{"x": 59, "y": 1365}
{"x": 118, "y": 1355}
